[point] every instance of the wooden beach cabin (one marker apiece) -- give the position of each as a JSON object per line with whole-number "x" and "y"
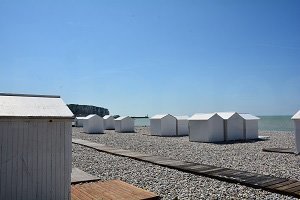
{"x": 79, "y": 121}
{"x": 250, "y": 126}
{"x": 182, "y": 125}
{"x": 296, "y": 119}
{"x": 163, "y": 125}
{"x": 206, "y": 128}
{"x": 124, "y": 124}
{"x": 233, "y": 126}
{"x": 93, "y": 124}
{"x": 36, "y": 147}
{"x": 109, "y": 122}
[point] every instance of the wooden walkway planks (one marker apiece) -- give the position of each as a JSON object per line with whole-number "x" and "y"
{"x": 265, "y": 182}
{"x": 79, "y": 176}
{"x": 280, "y": 150}
{"x": 110, "y": 190}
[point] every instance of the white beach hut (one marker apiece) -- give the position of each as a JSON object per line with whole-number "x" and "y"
{"x": 109, "y": 122}
{"x": 79, "y": 121}
{"x": 206, "y": 128}
{"x": 182, "y": 125}
{"x": 124, "y": 124}
{"x": 163, "y": 125}
{"x": 36, "y": 147}
{"x": 250, "y": 130}
{"x": 93, "y": 124}
{"x": 233, "y": 126}
{"x": 296, "y": 119}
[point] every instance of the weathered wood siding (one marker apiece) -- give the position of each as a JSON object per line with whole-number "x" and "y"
{"x": 35, "y": 159}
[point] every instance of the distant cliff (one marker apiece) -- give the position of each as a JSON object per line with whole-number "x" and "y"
{"x": 84, "y": 110}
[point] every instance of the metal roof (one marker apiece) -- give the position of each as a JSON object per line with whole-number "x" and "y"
{"x": 226, "y": 115}
{"x": 202, "y": 116}
{"x": 90, "y": 116}
{"x": 160, "y": 116}
{"x": 80, "y": 117}
{"x": 107, "y": 116}
{"x": 121, "y": 118}
{"x": 247, "y": 116}
{"x": 35, "y": 106}
{"x": 181, "y": 117}
{"x": 297, "y": 115}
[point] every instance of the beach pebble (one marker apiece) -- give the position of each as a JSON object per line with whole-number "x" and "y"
{"x": 169, "y": 183}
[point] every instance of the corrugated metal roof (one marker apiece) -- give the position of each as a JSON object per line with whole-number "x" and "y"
{"x": 159, "y": 116}
{"x": 107, "y": 116}
{"x": 248, "y": 116}
{"x": 90, "y": 116}
{"x": 33, "y": 106}
{"x": 297, "y": 115}
{"x": 202, "y": 116}
{"x": 121, "y": 118}
{"x": 226, "y": 115}
{"x": 80, "y": 117}
{"x": 181, "y": 117}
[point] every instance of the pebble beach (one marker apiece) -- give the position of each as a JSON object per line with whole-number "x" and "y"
{"x": 170, "y": 183}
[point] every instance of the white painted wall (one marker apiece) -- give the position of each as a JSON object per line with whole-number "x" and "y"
{"x": 182, "y": 126}
{"x": 35, "y": 158}
{"x": 124, "y": 125}
{"x": 168, "y": 126}
{"x": 211, "y": 130}
{"x": 79, "y": 121}
{"x": 235, "y": 128}
{"x": 93, "y": 124}
{"x": 251, "y": 129}
{"x": 109, "y": 122}
{"x": 297, "y": 134}
{"x": 163, "y": 125}
{"x": 155, "y": 128}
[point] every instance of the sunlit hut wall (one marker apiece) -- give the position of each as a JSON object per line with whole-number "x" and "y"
{"x": 93, "y": 124}
{"x": 206, "y": 128}
{"x": 109, "y": 122}
{"x": 124, "y": 124}
{"x": 250, "y": 126}
{"x": 182, "y": 125}
{"x": 296, "y": 119}
{"x": 163, "y": 125}
{"x": 79, "y": 121}
{"x": 36, "y": 148}
{"x": 233, "y": 125}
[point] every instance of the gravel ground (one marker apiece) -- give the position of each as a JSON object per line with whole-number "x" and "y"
{"x": 170, "y": 183}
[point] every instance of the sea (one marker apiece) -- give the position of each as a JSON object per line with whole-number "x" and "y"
{"x": 266, "y": 123}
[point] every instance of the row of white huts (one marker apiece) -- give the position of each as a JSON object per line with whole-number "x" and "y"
{"x": 96, "y": 124}
{"x": 36, "y": 142}
{"x": 211, "y": 127}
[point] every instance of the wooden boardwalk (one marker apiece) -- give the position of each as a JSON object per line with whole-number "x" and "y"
{"x": 79, "y": 176}
{"x": 280, "y": 150}
{"x": 265, "y": 182}
{"x": 110, "y": 190}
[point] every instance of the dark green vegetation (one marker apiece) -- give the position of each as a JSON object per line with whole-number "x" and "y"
{"x": 84, "y": 110}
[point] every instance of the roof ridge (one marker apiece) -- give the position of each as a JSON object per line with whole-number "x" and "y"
{"x": 29, "y": 95}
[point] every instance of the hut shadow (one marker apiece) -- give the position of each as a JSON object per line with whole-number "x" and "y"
{"x": 92, "y": 133}
{"x": 242, "y": 141}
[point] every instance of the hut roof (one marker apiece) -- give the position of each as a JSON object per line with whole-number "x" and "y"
{"x": 107, "y": 116}
{"x": 202, "y": 116}
{"x": 182, "y": 117}
{"x": 248, "y": 116}
{"x": 297, "y": 115}
{"x": 33, "y": 106}
{"x": 226, "y": 115}
{"x": 160, "y": 116}
{"x": 121, "y": 118}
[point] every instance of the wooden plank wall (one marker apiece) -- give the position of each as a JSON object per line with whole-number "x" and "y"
{"x": 35, "y": 159}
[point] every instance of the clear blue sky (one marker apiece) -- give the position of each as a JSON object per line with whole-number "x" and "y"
{"x": 139, "y": 57}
